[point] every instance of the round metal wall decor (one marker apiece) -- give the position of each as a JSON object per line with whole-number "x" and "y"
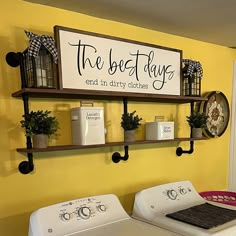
{"x": 217, "y": 109}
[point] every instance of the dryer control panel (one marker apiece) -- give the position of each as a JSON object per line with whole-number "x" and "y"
{"x": 166, "y": 198}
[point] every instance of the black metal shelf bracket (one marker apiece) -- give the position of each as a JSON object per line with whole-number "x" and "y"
{"x": 179, "y": 150}
{"x": 116, "y": 157}
{"x": 25, "y": 167}
{"x": 13, "y": 59}
{"x": 16, "y": 59}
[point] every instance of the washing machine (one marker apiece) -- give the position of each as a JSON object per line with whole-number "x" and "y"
{"x": 179, "y": 208}
{"x": 101, "y": 215}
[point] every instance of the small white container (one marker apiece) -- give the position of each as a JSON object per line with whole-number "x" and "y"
{"x": 87, "y": 125}
{"x": 159, "y": 130}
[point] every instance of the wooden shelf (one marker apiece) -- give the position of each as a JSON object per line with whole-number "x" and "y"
{"x": 26, "y": 167}
{"x": 104, "y": 95}
{"x": 110, "y": 144}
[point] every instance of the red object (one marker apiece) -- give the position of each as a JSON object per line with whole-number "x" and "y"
{"x": 224, "y": 197}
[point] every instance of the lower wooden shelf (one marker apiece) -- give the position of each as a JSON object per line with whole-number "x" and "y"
{"x": 110, "y": 144}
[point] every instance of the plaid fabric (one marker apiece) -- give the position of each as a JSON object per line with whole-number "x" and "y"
{"x": 192, "y": 67}
{"x": 36, "y": 41}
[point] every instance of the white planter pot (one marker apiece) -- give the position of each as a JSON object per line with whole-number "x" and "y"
{"x": 129, "y": 135}
{"x": 40, "y": 140}
{"x": 197, "y": 132}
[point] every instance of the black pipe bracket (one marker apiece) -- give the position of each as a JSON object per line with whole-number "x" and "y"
{"x": 180, "y": 151}
{"x": 25, "y": 167}
{"x": 116, "y": 157}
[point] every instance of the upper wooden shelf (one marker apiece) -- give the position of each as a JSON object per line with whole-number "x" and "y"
{"x": 104, "y": 95}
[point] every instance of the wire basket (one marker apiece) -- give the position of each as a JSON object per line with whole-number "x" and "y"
{"x": 224, "y": 197}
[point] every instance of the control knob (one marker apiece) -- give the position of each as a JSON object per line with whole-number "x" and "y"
{"x": 84, "y": 212}
{"x": 182, "y": 191}
{"x": 101, "y": 208}
{"x": 65, "y": 216}
{"x": 172, "y": 194}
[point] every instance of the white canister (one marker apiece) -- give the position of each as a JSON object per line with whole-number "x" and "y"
{"x": 159, "y": 130}
{"x": 87, "y": 125}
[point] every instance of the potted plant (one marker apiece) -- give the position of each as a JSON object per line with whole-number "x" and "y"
{"x": 130, "y": 122}
{"x": 197, "y": 121}
{"x": 39, "y": 125}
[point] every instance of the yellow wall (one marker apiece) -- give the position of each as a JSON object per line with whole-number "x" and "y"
{"x": 61, "y": 176}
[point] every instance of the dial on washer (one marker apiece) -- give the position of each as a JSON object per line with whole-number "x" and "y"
{"x": 65, "y": 216}
{"x": 84, "y": 212}
{"x": 101, "y": 208}
{"x": 172, "y": 194}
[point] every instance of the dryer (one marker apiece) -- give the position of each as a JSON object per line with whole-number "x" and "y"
{"x": 101, "y": 215}
{"x": 179, "y": 208}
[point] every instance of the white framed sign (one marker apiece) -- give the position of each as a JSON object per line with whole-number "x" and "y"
{"x": 91, "y": 61}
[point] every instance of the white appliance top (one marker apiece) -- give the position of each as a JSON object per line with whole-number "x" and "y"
{"x": 153, "y": 204}
{"x": 100, "y": 215}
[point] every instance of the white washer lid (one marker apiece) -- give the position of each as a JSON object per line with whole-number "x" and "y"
{"x": 130, "y": 227}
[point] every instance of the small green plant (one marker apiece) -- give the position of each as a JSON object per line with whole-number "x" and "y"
{"x": 39, "y": 122}
{"x": 197, "y": 120}
{"x": 130, "y": 121}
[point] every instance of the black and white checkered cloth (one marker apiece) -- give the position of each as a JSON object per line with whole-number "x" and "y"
{"x": 36, "y": 41}
{"x": 193, "y": 66}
